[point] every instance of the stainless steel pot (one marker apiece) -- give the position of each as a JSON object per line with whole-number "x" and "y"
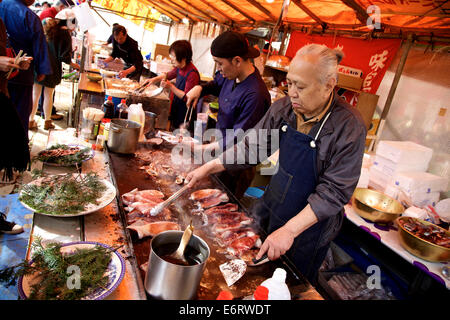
{"x": 168, "y": 281}
{"x": 149, "y": 127}
{"x": 123, "y": 136}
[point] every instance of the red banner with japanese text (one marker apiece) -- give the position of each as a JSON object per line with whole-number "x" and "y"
{"x": 373, "y": 57}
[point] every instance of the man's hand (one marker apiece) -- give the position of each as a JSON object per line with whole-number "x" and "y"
{"x": 25, "y": 63}
{"x": 7, "y": 63}
{"x": 193, "y": 95}
{"x": 40, "y": 77}
{"x": 148, "y": 82}
{"x": 213, "y": 166}
{"x": 277, "y": 244}
{"x": 123, "y": 74}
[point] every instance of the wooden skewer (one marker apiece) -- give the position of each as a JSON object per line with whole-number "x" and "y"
{"x": 15, "y": 62}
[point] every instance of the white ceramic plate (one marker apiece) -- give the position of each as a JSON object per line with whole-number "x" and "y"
{"x": 108, "y": 195}
{"x": 115, "y": 272}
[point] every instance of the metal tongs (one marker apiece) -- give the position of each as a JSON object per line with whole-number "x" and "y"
{"x": 160, "y": 206}
{"x": 188, "y": 111}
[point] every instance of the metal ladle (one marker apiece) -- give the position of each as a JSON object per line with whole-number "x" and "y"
{"x": 179, "y": 253}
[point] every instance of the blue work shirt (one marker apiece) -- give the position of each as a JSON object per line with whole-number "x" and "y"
{"x": 241, "y": 105}
{"x": 25, "y": 33}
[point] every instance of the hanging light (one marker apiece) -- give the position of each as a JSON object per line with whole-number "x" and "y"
{"x": 185, "y": 20}
{"x": 153, "y": 11}
{"x": 269, "y": 1}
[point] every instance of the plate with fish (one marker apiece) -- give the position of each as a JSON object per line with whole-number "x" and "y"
{"x": 62, "y": 155}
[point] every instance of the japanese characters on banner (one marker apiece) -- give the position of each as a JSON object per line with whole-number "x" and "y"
{"x": 372, "y": 57}
{"x": 133, "y": 7}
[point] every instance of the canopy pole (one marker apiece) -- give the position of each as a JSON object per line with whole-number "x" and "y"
{"x": 190, "y": 32}
{"x": 277, "y": 25}
{"x": 168, "y": 33}
{"x": 391, "y": 94}
{"x": 99, "y": 15}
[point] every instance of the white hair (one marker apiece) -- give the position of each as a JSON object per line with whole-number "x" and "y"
{"x": 328, "y": 59}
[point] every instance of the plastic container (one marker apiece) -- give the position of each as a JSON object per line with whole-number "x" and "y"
{"x": 225, "y": 295}
{"x": 108, "y": 108}
{"x": 106, "y": 125}
{"x": 278, "y": 290}
{"x": 137, "y": 114}
{"x": 121, "y": 110}
{"x": 100, "y": 143}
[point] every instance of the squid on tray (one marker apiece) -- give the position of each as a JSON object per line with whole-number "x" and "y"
{"x": 138, "y": 204}
{"x": 230, "y": 228}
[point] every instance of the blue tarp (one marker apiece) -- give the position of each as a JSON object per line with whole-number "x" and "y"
{"x": 13, "y": 248}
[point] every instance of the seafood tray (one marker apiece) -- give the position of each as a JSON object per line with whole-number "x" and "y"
{"x": 149, "y": 176}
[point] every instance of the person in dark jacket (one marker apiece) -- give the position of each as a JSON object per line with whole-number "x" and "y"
{"x": 25, "y": 33}
{"x": 16, "y": 154}
{"x": 321, "y": 145}
{"x": 60, "y": 50}
{"x": 126, "y": 48}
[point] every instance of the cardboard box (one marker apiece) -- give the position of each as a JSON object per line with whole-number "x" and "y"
{"x": 347, "y": 81}
{"x": 161, "y": 49}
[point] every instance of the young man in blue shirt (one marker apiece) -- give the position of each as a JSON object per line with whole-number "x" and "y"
{"x": 243, "y": 97}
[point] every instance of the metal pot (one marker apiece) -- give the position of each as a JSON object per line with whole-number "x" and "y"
{"x": 123, "y": 136}
{"x": 149, "y": 127}
{"x": 168, "y": 281}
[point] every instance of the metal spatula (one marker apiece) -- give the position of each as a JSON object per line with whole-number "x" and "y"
{"x": 160, "y": 206}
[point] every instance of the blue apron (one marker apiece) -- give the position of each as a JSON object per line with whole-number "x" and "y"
{"x": 178, "y": 108}
{"x": 287, "y": 194}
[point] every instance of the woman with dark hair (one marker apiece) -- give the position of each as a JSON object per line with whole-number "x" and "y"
{"x": 60, "y": 50}
{"x": 186, "y": 75}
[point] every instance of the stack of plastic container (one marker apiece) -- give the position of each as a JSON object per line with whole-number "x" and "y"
{"x": 401, "y": 166}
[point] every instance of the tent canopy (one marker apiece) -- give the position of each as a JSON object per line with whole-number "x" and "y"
{"x": 419, "y": 16}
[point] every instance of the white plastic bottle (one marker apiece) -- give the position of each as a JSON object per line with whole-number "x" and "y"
{"x": 278, "y": 290}
{"x": 137, "y": 114}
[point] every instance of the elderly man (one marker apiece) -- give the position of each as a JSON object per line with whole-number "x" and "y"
{"x": 25, "y": 33}
{"x": 320, "y": 155}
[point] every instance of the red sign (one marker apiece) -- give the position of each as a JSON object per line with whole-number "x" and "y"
{"x": 373, "y": 57}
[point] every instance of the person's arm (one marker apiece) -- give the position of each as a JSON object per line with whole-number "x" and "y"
{"x": 211, "y": 167}
{"x": 126, "y": 72}
{"x": 136, "y": 60}
{"x": 177, "y": 92}
{"x": 109, "y": 59}
{"x": 281, "y": 240}
{"x": 271, "y": 120}
{"x": 212, "y": 87}
{"x": 162, "y": 77}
